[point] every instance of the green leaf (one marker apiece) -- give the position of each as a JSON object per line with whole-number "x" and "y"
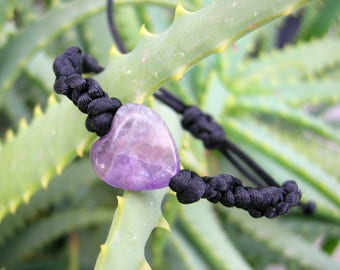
{"x": 49, "y": 132}
{"x": 38, "y": 152}
{"x": 136, "y": 216}
{"x": 185, "y": 42}
{"x": 290, "y": 245}
{"x": 187, "y": 257}
{"x": 75, "y": 178}
{"x": 159, "y": 239}
{"x": 311, "y": 229}
{"x": 286, "y": 156}
{"x": 330, "y": 244}
{"x": 36, "y": 70}
{"x": 318, "y": 19}
{"x": 203, "y": 229}
{"x": 15, "y": 56}
{"x": 314, "y": 92}
{"x": 6, "y": 13}
{"x": 273, "y": 107}
{"x": 257, "y": 254}
{"x": 292, "y": 64}
{"x": 49, "y": 229}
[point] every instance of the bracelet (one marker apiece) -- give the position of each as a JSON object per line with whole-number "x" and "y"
{"x": 136, "y": 150}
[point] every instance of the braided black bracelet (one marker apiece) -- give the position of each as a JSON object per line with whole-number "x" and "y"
{"x": 103, "y": 112}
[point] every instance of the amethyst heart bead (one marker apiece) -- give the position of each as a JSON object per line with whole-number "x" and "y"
{"x": 138, "y": 153}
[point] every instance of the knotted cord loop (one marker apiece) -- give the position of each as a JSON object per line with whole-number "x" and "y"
{"x": 269, "y": 201}
{"x": 200, "y": 125}
{"x": 203, "y": 127}
{"x": 86, "y": 94}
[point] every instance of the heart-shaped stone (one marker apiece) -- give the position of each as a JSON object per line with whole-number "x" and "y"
{"x": 138, "y": 153}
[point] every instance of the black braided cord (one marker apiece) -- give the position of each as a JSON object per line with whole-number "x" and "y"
{"x": 89, "y": 97}
{"x": 204, "y": 127}
{"x": 269, "y": 201}
{"x": 86, "y": 93}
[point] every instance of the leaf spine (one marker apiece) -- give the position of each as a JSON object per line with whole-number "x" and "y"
{"x": 114, "y": 51}
{"x": 121, "y": 201}
{"x": 9, "y": 135}
{"x": 143, "y": 32}
{"x": 162, "y": 223}
{"x": 13, "y": 205}
{"x": 44, "y": 181}
{"x": 23, "y": 124}
{"x": 80, "y": 148}
{"x": 181, "y": 11}
{"x": 59, "y": 168}
{"x": 221, "y": 48}
{"x": 144, "y": 266}
{"x": 27, "y": 196}
{"x": 52, "y": 100}
{"x": 37, "y": 111}
{"x": 103, "y": 247}
{"x": 179, "y": 74}
{"x": 288, "y": 11}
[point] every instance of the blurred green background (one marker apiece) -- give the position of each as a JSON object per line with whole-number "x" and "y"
{"x": 276, "y": 91}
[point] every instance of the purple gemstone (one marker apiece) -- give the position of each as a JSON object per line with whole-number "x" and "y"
{"x": 138, "y": 153}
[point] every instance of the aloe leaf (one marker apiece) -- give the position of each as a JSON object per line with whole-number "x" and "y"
{"x": 277, "y": 238}
{"x": 314, "y": 92}
{"x": 156, "y": 249}
{"x": 137, "y": 214}
{"x": 126, "y": 18}
{"x": 48, "y": 140}
{"x": 36, "y": 70}
{"x": 286, "y": 156}
{"x": 15, "y": 107}
{"x": 77, "y": 175}
{"x": 311, "y": 229}
{"x": 144, "y": 68}
{"x": 257, "y": 254}
{"x": 38, "y": 152}
{"x": 291, "y": 64}
{"x": 330, "y": 244}
{"x": 187, "y": 257}
{"x": 6, "y": 13}
{"x": 97, "y": 43}
{"x": 203, "y": 229}
{"x": 273, "y": 107}
{"x": 324, "y": 13}
{"x": 36, "y": 35}
{"x": 233, "y": 58}
{"x": 313, "y": 147}
{"x": 14, "y": 56}
{"x": 49, "y": 229}
{"x": 63, "y": 146}
{"x": 214, "y": 98}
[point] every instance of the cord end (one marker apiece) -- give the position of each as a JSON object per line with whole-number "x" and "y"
{"x": 308, "y": 208}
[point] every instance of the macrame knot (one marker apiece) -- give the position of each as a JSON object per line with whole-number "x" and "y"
{"x": 203, "y": 126}
{"x": 269, "y": 201}
{"x": 189, "y": 187}
{"x": 86, "y": 94}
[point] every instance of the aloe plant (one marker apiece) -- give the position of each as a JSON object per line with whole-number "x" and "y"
{"x": 55, "y": 213}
